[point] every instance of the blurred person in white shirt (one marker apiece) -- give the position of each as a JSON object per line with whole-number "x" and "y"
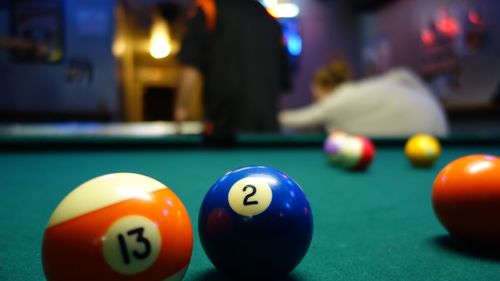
{"x": 396, "y": 103}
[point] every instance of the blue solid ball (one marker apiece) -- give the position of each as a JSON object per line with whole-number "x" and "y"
{"x": 255, "y": 223}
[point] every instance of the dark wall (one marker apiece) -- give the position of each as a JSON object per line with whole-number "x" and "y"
{"x": 40, "y": 88}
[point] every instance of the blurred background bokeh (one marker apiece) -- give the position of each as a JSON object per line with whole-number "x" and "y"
{"x": 115, "y": 60}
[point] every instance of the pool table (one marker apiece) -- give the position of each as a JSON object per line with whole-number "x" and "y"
{"x": 372, "y": 225}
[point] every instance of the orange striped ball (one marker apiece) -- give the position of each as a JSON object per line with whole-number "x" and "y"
{"x": 120, "y": 226}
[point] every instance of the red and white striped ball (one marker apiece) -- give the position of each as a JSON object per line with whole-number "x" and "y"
{"x": 357, "y": 153}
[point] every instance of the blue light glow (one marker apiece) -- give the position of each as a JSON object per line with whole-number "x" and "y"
{"x": 294, "y": 43}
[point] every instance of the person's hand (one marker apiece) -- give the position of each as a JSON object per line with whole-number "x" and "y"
{"x": 180, "y": 115}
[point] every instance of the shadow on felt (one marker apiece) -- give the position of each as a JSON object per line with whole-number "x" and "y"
{"x": 464, "y": 248}
{"x": 215, "y": 275}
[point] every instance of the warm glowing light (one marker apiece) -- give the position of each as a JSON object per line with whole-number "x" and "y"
{"x": 119, "y": 47}
{"x": 427, "y": 36}
{"x": 159, "y": 45}
{"x": 448, "y": 25}
{"x": 284, "y": 10}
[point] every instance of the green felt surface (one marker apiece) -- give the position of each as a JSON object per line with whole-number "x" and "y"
{"x": 377, "y": 225}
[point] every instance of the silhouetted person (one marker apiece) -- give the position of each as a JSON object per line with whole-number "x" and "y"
{"x": 236, "y": 48}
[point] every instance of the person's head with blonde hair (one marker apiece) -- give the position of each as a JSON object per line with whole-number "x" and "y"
{"x": 327, "y": 78}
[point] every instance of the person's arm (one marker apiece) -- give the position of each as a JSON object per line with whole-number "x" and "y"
{"x": 189, "y": 78}
{"x": 332, "y": 110}
{"x": 309, "y": 117}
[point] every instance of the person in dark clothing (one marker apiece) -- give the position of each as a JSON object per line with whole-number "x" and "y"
{"x": 236, "y": 48}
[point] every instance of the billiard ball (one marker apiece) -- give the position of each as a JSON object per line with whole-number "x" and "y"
{"x": 119, "y": 226}
{"x": 466, "y": 199}
{"x": 357, "y": 153}
{"x": 422, "y": 150}
{"x": 332, "y": 146}
{"x": 255, "y": 223}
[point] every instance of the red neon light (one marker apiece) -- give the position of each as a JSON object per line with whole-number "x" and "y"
{"x": 475, "y": 18}
{"x": 427, "y": 36}
{"x": 448, "y": 25}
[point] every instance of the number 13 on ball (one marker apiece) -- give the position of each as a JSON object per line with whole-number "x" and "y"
{"x": 118, "y": 227}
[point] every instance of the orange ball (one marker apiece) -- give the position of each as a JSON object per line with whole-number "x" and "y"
{"x": 118, "y": 227}
{"x": 466, "y": 198}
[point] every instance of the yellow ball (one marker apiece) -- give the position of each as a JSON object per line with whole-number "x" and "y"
{"x": 422, "y": 150}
